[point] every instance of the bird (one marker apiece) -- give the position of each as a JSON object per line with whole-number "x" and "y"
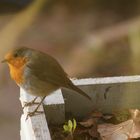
{"x": 38, "y": 73}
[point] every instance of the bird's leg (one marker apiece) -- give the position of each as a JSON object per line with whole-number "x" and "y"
{"x": 30, "y": 103}
{"x": 35, "y": 111}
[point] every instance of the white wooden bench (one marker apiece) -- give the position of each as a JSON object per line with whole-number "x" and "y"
{"x": 108, "y": 94}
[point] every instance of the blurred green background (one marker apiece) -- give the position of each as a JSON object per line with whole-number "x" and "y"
{"x": 90, "y": 38}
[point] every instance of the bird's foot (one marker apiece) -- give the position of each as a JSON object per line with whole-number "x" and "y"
{"x": 35, "y": 112}
{"x": 30, "y": 103}
{"x": 36, "y": 109}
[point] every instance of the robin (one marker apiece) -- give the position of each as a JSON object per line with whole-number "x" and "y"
{"x": 38, "y": 74}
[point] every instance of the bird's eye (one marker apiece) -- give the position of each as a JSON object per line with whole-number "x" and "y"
{"x": 15, "y": 55}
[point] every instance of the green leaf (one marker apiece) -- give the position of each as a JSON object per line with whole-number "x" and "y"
{"x": 66, "y": 129}
{"x": 70, "y": 125}
{"x": 74, "y": 125}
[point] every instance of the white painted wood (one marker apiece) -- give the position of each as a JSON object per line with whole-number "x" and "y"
{"x": 106, "y": 80}
{"x": 54, "y": 98}
{"x": 35, "y": 127}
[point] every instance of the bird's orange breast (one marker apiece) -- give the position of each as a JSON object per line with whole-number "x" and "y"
{"x": 17, "y": 69}
{"x": 17, "y": 74}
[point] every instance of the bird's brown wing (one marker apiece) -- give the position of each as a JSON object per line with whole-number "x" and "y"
{"x": 47, "y": 69}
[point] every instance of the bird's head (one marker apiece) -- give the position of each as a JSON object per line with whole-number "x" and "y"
{"x": 17, "y": 57}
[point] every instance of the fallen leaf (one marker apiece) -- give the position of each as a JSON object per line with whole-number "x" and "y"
{"x": 123, "y": 131}
{"x": 92, "y": 119}
{"x": 107, "y": 116}
{"x": 96, "y": 114}
{"x": 93, "y": 132}
{"x": 89, "y": 122}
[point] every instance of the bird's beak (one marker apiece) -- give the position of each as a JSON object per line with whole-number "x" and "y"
{"x": 3, "y": 61}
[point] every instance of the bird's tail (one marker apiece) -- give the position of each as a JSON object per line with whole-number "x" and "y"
{"x": 78, "y": 90}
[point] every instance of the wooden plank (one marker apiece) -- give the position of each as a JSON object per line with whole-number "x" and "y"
{"x": 108, "y": 94}
{"x": 35, "y": 127}
{"x": 107, "y": 80}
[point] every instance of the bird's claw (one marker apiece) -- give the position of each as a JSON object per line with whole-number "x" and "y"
{"x": 26, "y": 104}
{"x": 30, "y": 114}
